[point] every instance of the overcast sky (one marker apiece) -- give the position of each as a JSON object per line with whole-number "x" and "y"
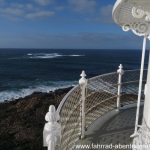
{"x": 73, "y": 24}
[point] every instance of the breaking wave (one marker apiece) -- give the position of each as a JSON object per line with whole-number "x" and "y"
{"x": 49, "y": 55}
{"x": 21, "y": 93}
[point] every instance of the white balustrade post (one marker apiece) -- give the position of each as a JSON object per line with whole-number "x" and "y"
{"x": 140, "y": 87}
{"x": 120, "y": 72}
{"x": 52, "y": 129}
{"x": 83, "y": 85}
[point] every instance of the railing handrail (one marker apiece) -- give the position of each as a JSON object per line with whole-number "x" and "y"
{"x": 82, "y": 105}
{"x": 92, "y": 78}
{"x": 114, "y": 73}
{"x": 102, "y": 75}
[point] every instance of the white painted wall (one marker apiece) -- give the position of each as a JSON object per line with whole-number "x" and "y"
{"x": 147, "y": 98}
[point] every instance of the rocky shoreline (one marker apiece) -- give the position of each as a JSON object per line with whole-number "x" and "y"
{"x": 22, "y": 120}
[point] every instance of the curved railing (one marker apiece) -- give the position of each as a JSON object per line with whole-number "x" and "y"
{"x": 101, "y": 97}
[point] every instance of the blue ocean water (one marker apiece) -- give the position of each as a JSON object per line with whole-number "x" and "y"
{"x": 23, "y": 71}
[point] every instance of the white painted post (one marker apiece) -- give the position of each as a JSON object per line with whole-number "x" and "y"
{"x": 52, "y": 129}
{"x": 140, "y": 87}
{"x": 120, "y": 72}
{"x": 83, "y": 85}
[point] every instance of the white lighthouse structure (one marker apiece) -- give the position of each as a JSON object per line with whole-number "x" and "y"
{"x": 134, "y": 15}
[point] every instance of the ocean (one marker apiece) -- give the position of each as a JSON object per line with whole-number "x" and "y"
{"x": 24, "y": 71}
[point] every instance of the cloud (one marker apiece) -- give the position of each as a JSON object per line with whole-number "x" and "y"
{"x": 102, "y": 15}
{"x": 43, "y": 2}
{"x": 82, "y": 5}
{"x": 24, "y": 11}
{"x": 11, "y": 11}
{"x": 40, "y": 14}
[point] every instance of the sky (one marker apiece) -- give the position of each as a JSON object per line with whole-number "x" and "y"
{"x": 63, "y": 24}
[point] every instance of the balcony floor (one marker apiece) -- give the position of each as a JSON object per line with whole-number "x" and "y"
{"x": 115, "y": 130}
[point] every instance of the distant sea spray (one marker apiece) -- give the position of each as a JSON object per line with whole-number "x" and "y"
{"x": 50, "y": 55}
{"x": 44, "y": 56}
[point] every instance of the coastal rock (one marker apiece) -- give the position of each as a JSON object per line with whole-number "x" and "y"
{"x": 22, "y": 120}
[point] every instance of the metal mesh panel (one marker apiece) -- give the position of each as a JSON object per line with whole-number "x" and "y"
{"x": 101, "y": 97}
{"x": 130, "y": 85}
{"x": 70, "y": 115}
{"x": 133, "y": 75}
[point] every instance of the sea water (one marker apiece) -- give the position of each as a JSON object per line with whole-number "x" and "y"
{"x": 24, "y": 71}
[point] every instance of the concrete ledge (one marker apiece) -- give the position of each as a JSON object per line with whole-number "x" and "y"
{"x": 98, "y": 123}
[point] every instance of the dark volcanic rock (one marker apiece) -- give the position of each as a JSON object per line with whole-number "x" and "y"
{"x": 22, "y": 120}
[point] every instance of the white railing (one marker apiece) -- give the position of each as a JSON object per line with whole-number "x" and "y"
{"x": 90, "y": 100}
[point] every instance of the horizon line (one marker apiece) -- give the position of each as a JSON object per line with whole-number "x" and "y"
{"x": 70, "y": 49}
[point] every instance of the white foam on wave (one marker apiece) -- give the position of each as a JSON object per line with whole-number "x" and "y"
{"x": 75, "y": 55}
{"x": 49, "y": 55}
{"x": 11, "y": 95}
{"x": 29, "y": 54}
{"x": 45, "y": 55}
